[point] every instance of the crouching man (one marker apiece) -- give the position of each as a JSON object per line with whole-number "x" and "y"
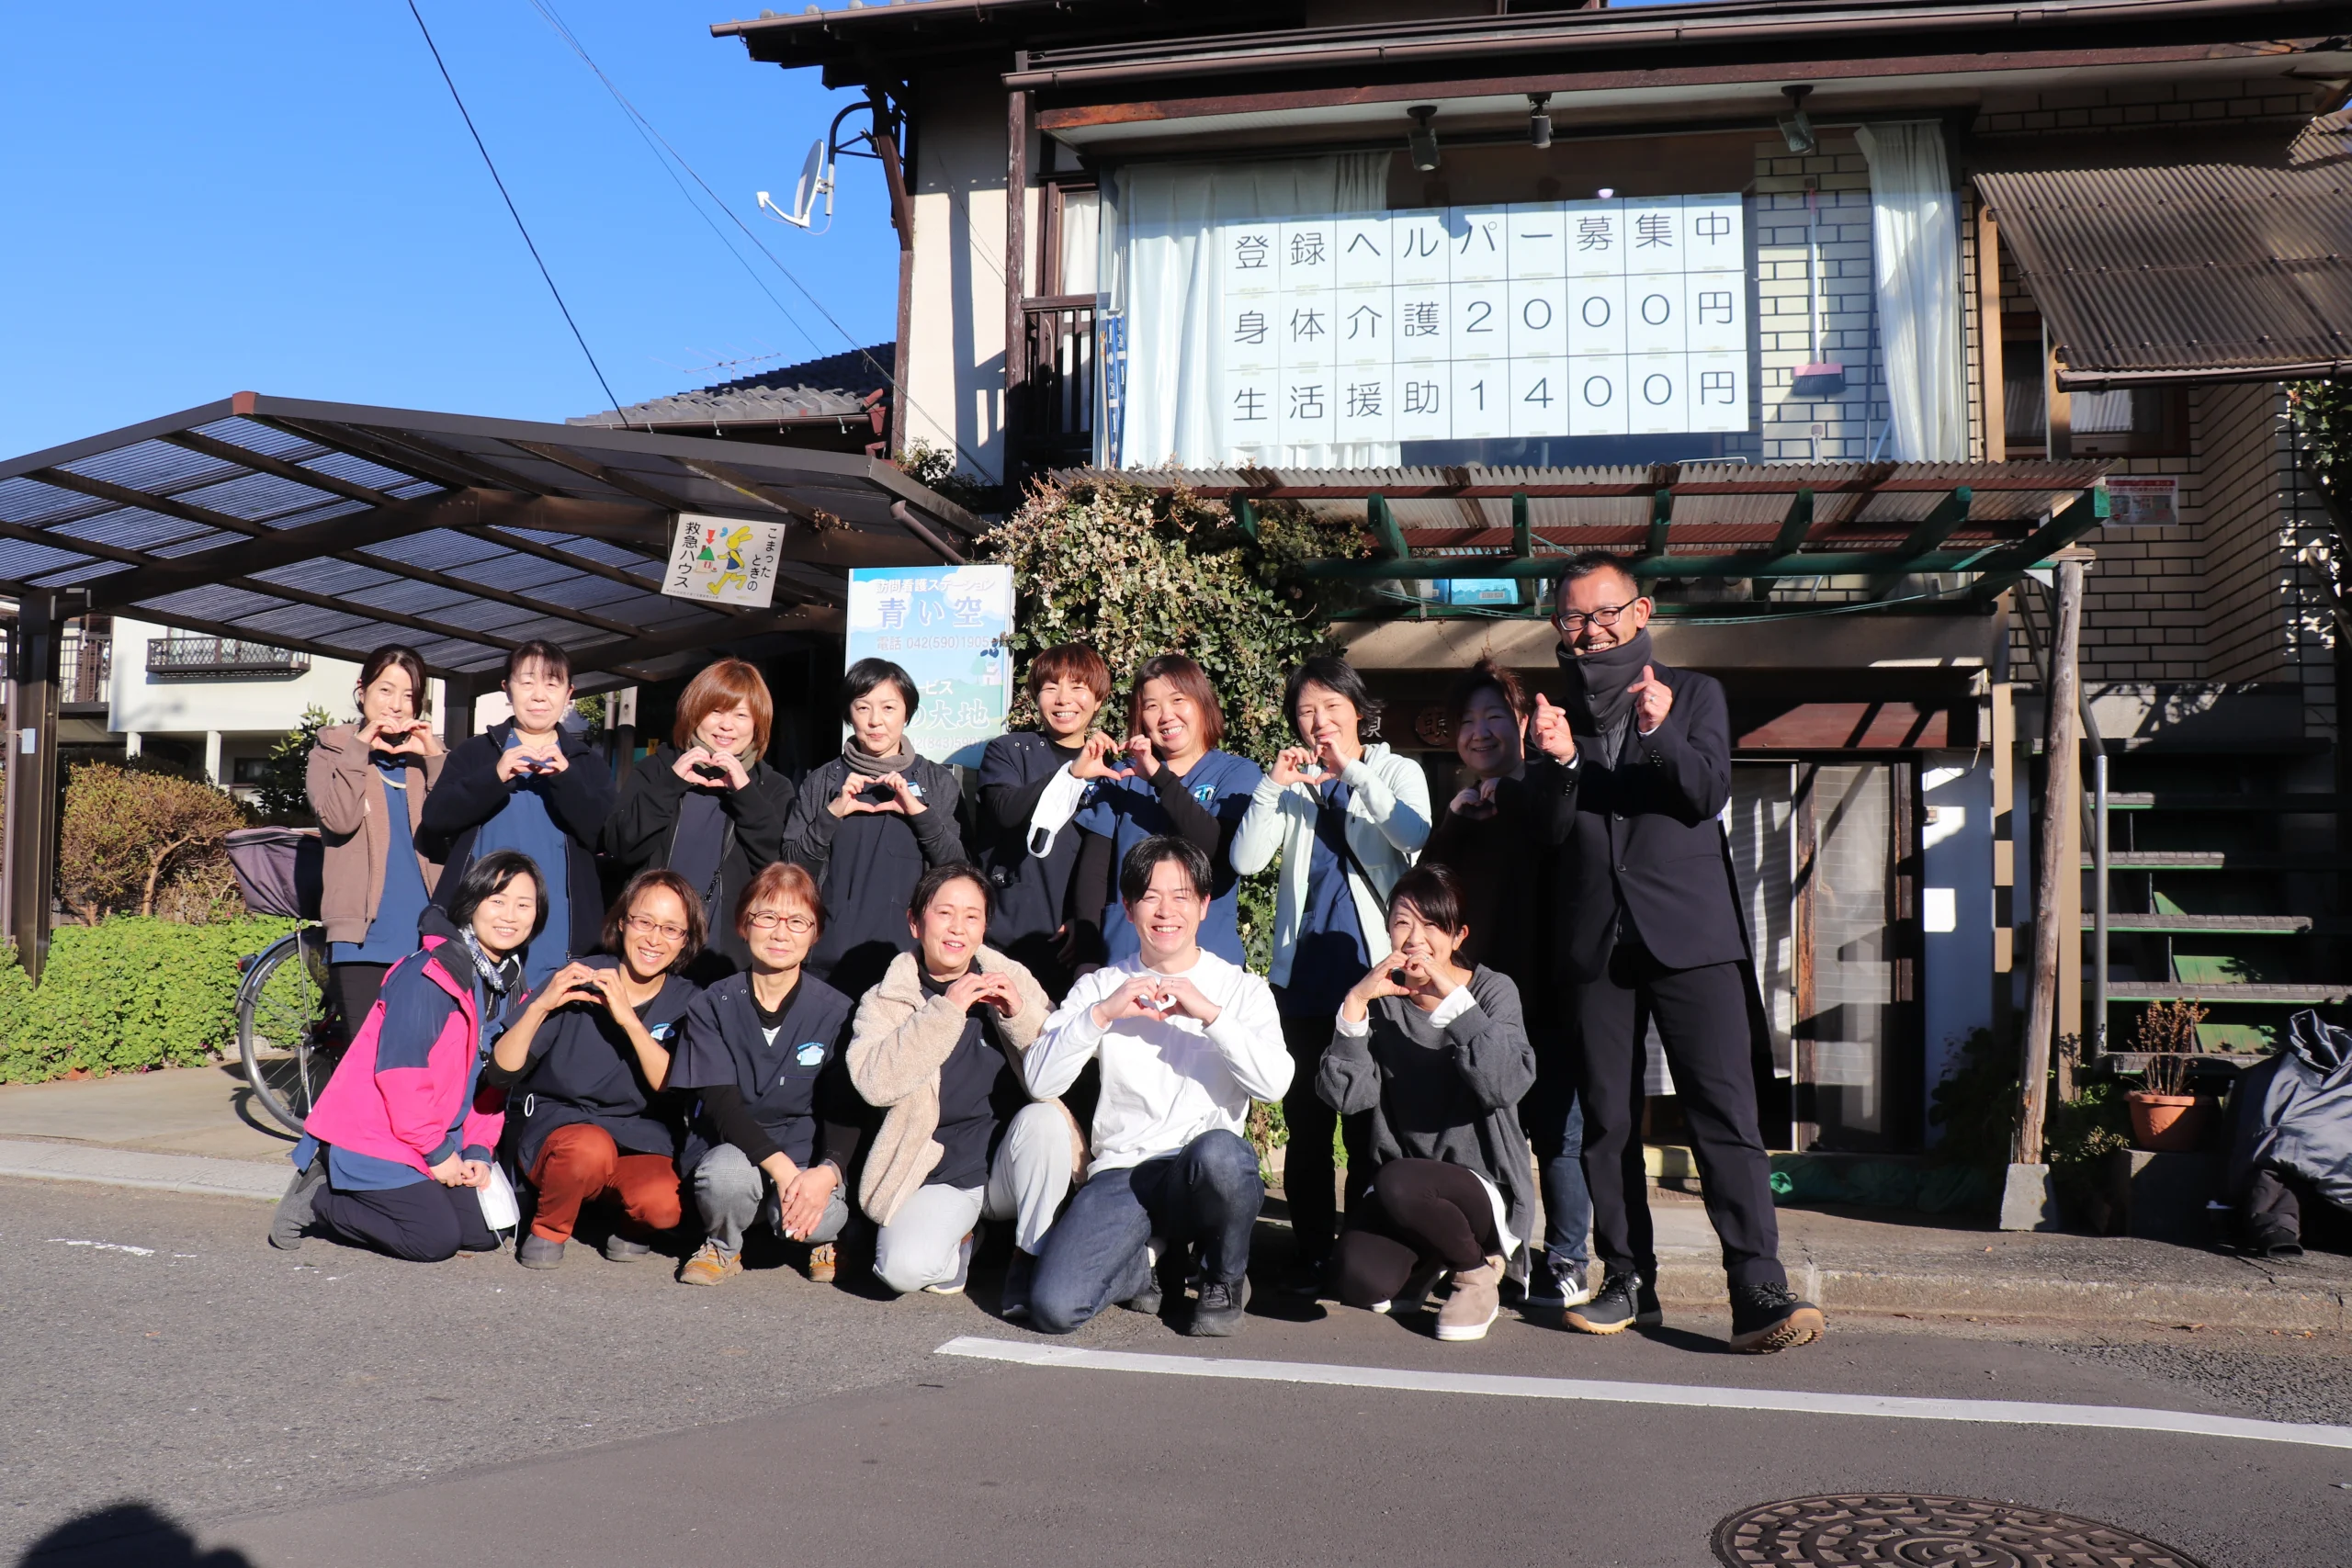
{"x": 1186, "y": 1039}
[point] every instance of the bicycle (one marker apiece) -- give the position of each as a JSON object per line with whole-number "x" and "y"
{"x": 287, "y": 1032}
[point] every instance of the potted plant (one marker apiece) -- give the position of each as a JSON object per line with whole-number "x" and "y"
{"x": 2165, "y": 1117}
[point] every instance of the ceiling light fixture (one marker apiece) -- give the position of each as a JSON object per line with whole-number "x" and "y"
{"x": 1421, "y": 141}
{"x": 1796, "y": 125}
{"x": 1539, "y": 119}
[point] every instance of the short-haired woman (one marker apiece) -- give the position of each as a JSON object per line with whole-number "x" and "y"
{"x": 1500, "y": 837}
{"x": 1437, "y": 1052}
{"x": 705, "y": 805}
{"x": 775, "y": 1127}
{"x": 402, "y": 1139}
{"x": 1346, "y": 816}
{"x": 1169, "y": 778}
{"x": 868, "y": 824}
{"x": 937, "y": 1048}
{"x": 368, "y": 782}
{"x": 528, "y": 785}
{"x": 589, "y": 1058}
{"x": 1033, "y": 921}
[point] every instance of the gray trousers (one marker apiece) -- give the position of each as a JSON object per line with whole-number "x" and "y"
{"x": 1028, "y": 1181}
{"x": 732, "y": 1194}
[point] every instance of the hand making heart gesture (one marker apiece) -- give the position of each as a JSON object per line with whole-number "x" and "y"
{"x": 1653, "y": 699}
{"x": 1477, "y": 801}
{"x": 1549, "y": 726}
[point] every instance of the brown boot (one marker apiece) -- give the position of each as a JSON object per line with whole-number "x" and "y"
{"x": 1475, "y": 1302}
{"x": 708, "y": 1266}
{"x": 823, "y": 1263}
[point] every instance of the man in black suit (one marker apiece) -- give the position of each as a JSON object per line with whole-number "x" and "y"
{"x": 1650, "y": 930}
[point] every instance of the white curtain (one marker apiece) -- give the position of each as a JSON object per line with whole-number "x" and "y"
{"x": 1165, "y": 282}
{"x": 1914, "y": 250}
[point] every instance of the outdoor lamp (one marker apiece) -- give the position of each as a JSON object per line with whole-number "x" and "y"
{"x": 1539, "y": 119}
{"x": 1421, "y": 141}
{"x": 1795, "y": 125}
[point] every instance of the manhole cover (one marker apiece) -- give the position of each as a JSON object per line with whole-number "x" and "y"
{"x": 1870, "y": 1530}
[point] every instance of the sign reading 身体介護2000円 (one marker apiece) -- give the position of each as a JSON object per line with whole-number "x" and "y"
{"x": 951, "y": 628}
{"x": 1621, "y": 317}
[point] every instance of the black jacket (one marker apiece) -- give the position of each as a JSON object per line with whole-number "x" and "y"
{"x": 1509, "y": 867}
{"x": 1031, "y": 900}
{"x": 469, "y": 794}
{"x": 644, "y": 826}
{"x": 1645, "y": 840}
{"x": 866, "y": 867}
{"x": 582, "y": 1067}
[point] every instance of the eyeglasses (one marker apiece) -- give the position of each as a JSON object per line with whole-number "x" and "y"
{"x": 1573, "y": 621}
{"x": 644, "y": 927}
{"x": 768, "y": 920}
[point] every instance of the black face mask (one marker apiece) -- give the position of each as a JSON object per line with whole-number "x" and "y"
{"x": 1601, "y": 684}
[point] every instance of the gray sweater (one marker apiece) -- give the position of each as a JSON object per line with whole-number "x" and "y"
{"x": 1450, "y": 1094}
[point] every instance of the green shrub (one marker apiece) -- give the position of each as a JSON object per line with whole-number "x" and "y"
{"x": 127, "y": 995}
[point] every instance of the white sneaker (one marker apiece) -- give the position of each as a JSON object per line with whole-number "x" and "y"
{"x": 955, "y": 1286}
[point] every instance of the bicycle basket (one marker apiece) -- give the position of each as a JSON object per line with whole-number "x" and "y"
{"x": 280, "y": 870}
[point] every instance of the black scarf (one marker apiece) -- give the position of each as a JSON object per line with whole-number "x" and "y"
{"x": 1600, "y": 692}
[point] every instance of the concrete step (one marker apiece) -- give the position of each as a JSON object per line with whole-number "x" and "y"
{"x": 2231, "y": 925}
{"x": 2212, "y": 991}
{"x": 2266, "y": 805}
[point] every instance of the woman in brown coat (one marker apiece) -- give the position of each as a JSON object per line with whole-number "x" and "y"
{"x": 368, "y": 783}
{"x": 938, "y": 1047}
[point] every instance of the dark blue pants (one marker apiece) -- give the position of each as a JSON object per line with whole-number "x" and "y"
{"x": 1554, "y": 1119}
{"x": 1097, "y": 1252}
{"x": 421, "y": 1223}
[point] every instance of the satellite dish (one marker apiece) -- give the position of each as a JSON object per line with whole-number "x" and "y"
{"x": 816, "y": 179}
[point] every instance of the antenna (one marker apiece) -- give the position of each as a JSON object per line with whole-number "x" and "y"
{"x": 815, "y": 177}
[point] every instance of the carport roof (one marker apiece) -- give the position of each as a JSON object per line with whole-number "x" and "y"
{"x": 334, "y": 528}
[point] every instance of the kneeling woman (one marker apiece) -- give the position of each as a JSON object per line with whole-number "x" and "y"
{"x": 776, "y": 1126}
{"x": 937, "y": 1048}
{"x": 1438, "y": 1055}
{"x": 399, "y": 1142}
{"x": 592, "y": 1056}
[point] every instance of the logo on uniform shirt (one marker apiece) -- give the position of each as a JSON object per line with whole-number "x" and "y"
{"x": 661, "y": 1030}
{"x": 1205, "y": 794}
{"x": 810, "y": 1055}
{"x": 914, "y": 789}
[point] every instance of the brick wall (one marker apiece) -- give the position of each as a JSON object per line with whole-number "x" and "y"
{"x": 1852, "y": 420}
{"x": 2124, "y": 107}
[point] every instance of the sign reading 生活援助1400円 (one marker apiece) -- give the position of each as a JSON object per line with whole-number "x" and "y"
{"x": 723, "y": 560}
{"x": 951, "y": 628}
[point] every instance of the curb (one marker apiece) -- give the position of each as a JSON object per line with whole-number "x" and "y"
{"x": 2317, "y": 1308}
{"x": 197, "y": 1174}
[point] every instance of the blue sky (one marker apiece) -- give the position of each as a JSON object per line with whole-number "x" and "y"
{"x": 281, "y": 196}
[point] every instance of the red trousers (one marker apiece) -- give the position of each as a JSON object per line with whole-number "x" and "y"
{"x": 581, "y": 1164}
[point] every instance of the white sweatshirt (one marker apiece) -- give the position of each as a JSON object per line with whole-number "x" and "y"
{"x": 1165, "y": 1081}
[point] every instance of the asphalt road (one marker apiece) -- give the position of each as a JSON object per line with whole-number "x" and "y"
{"x": 176, "y": 1394}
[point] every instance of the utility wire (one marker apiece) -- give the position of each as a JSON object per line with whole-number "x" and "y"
{"x": 647, "y": 127}
{"x": 513, "y": 212}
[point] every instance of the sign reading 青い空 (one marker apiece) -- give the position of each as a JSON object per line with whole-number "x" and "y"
{"x": 950, "y": 627}
{"x": 722, "y": 561}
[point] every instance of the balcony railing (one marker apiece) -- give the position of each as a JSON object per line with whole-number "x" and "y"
{"x": 1060, "y": 377}
{"x": 85, "y": 662}
{"x": 194, "y": 658}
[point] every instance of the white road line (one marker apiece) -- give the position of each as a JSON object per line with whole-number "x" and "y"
{"x": 2114, "y": 1417}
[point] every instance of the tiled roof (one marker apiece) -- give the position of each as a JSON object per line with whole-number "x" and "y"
{"x": 840, "y": 385}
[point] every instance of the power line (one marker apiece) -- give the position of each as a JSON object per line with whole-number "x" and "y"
{"x": 647, "y": 127}
{"x": 513, "y": 212}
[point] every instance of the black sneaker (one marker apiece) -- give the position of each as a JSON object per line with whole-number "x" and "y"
{"x": 1647, "y": 1314}
{"x": 1623, "y": 1298}
{"x": 539, "y": 1252}
{"x": 1218, "y": 1312}
{"x": 1307, "y": 1277}
{"x": 1765, "y": 1318}
{"x": 294, "y": 1211}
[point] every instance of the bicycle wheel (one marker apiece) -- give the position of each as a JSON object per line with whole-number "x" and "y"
{"x": 289, "y": 1044}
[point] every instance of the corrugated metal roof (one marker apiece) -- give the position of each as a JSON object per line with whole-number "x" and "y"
{"x": 2203, "y": 272}
{"x": 841, "y": 385}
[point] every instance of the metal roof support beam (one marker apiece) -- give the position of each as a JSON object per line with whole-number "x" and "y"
{"x": 261, "y": 462}
{"x": 620, "y": 657}
{"x": 147, "y": 500}
{"x": 628, "y": 484}
{"x": 1932, "y": 531}
{"x": 1523, "y": 533}
{"x": 2002, "y": 568}
{"x": 1816, "y": 563}
{"x": 1795, "y": 525}
{"x": 915, "y": 526}
{"x": 1389, "y": 540}
{"x": 1244, "y": 513}
{"x": 1661, "y": 522}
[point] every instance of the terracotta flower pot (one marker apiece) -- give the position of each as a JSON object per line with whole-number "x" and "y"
{"x": 2168, "y": 1123}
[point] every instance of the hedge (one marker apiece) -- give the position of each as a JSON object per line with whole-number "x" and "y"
{"x": 127, "y": 994}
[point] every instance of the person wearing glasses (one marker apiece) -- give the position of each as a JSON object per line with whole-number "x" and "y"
{"x": 586, "y": 1064}
{"x": 1651, "y": 933}
{"x": 705, "y": 805}
{"x": 774, "y": 1123}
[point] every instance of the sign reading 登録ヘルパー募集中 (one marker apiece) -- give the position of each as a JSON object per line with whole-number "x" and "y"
{"x": 723, "y": 560}
{"x": 950, "y": 627}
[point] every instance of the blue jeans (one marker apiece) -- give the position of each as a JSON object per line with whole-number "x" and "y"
{"x": 1554, "y": 1118}
{"x": 1097, "y": 1252}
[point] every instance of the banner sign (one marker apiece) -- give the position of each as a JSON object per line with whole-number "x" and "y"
{"x": 2139, "y": 501}
{"x": 723, "y": 560}
{"x": 1623, "y": 317}
{"x": 950, "y": 627}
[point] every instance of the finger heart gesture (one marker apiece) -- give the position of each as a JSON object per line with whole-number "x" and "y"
{"x": 1653, "y": 700}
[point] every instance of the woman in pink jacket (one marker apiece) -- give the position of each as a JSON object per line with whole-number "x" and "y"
{"x": 400, "y": 1142}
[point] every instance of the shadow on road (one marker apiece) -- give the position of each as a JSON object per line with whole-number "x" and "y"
{"x": 122, "y": 1535}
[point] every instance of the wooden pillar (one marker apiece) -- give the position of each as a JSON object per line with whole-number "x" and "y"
{"x": 2057, "y": 867}
{"x": 903, "y": 219}
{"x": 457, "y": 694}
{"x": 1016, "y": 275}
{"x": 1988, "y": 335}
{"x": 31, "y": 830}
